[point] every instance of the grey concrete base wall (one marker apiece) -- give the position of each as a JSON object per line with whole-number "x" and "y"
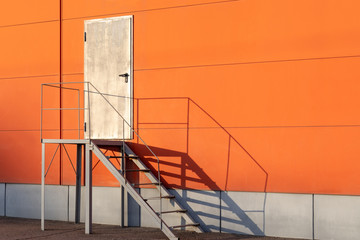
{"x": 2, "y": 199}
{"x": 106, "y": 206}
{"x": 337, "y": 217}
{"x": 305, "y": 216}
{"x": 288, "y": 215}
{"x": 23, "y": 200}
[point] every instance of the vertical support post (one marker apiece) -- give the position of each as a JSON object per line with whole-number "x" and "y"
{"x": 123, "y": 191}
{"x": 78, "y": 183}
{"x": 60, "y": 85}
{"x": 43, "y": 186}
{"x": 88, "y": 184}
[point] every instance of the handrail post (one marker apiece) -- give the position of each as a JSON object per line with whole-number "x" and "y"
{"x": 79, "y": 113}
{"x": 42, "y": 186}
{"x": 160, "y": 195}
{"x": 41, "y": 112}
{"x": 88, "y": 108}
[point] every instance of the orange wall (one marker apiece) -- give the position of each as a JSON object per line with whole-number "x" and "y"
{"x": 257, "y": 95}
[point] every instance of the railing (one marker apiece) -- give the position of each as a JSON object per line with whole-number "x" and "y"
{"x": 87, "y": 92}
{"x": 54, "y": 85}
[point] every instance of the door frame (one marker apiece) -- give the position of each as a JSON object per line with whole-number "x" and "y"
{"x": 87, "y": 134}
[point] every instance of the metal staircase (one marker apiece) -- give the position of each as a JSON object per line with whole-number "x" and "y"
{"x": 164, "y": 194}
{"x": 126, "y": 154}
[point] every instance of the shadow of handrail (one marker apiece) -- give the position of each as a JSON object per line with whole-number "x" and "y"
{"x": 228, "y": 203}
{"x": 236, "y": 141}
{"x": 230, "y": 136}
{"x": 187, "y": 162}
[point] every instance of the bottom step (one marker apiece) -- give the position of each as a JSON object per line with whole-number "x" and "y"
{"x": 186, "y": 225}
{"x": 140, "y": 184}
{"x": 173, "y": 211}
{"x": 156, "y": 198}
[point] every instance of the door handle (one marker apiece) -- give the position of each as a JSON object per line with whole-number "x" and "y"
{"x": 126, "y": 76}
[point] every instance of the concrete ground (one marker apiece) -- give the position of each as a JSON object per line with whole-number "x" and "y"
{"x": 21, "y": 229}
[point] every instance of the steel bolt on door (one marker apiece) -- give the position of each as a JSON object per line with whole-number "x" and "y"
{"x": 108, "y": 66}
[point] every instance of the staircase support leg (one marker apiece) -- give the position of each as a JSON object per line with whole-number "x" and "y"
{"x": 123, "y": 192}
{"x": 78, "y": 183}
{"x": 88, "y": 186}
{"x": 43, "y": 186}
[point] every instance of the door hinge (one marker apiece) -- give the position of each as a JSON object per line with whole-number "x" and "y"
{"x": 84, "y": 36}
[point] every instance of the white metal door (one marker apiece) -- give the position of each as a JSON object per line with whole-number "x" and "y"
{"x": 108, "y": 66}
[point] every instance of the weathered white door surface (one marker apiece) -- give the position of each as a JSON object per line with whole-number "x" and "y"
{"x": 109, "y": 67}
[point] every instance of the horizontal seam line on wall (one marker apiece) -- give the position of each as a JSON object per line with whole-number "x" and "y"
{"x": 110, "y": 14}
{"x": 244, "y": 127}
{"x": 69, "y": 74}
{"x": 40, "y": 76}
{"x": 252, "y": 127}
{"x": 34, "y": 76}
{"x": 205, "y": 65}
{"x": 150, "y": 9}
{"x": 252, "y": 62}
{"x": 28, "y": 23}
{"x": 37, "y": 130}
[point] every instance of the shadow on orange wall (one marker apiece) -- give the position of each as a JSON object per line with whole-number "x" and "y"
{"x": 195, "y": 151}
{"x": 189, "y": 169}
{"x": 198, "y": 153}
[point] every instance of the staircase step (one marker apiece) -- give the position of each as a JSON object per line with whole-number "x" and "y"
{"x": 173, "y": 211}
{"x": 132, "y": 157}
{"x": 156, "y": 198}
{"x": 137, "y": 170}
{"x": 137, "y": 197}
{"x": 188, "y": 219}
{"x": 186, "y": 225}
{"x": 138, "y": 184}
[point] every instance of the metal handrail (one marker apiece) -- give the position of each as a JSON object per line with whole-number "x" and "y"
{"x": 88, "y": 109}
{"x": 134, "y": 131}
{"x": 59, "y": 109}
